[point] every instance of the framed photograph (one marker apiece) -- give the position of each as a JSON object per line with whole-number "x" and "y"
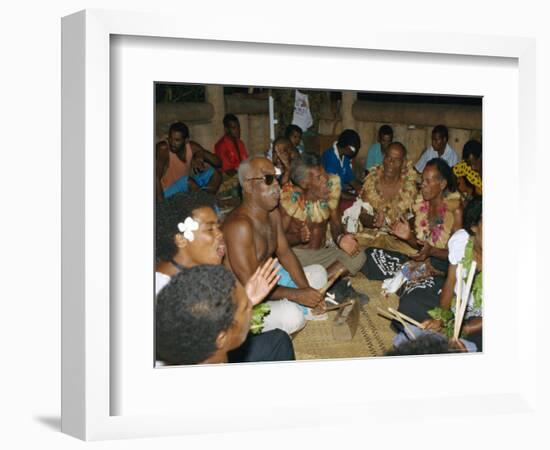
{"x": 112, "y": 63}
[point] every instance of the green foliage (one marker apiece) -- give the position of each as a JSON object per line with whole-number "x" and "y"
{"x": 258, "y": 314}
{"x": 447, "y": 317}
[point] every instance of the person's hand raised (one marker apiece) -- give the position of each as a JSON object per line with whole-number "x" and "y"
{"x": 262, "y": 281}
{"x": 402, "y": 229}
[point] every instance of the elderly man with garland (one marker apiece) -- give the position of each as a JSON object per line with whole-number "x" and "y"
{"x": 308, "y": 205}
{"x": 390, "y": 189}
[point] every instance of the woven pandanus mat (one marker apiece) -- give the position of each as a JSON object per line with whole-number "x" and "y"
{"x": 373, "y": 338}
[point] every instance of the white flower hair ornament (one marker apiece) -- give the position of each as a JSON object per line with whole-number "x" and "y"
{"x": 187, "y": 227}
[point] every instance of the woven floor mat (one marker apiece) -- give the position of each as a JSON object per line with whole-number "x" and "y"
{"x": 373, "y": 338}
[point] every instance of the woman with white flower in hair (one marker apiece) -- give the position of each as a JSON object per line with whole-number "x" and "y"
{"x": 187, "y": 235}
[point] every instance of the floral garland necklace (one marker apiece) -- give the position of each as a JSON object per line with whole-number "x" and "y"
{"x": 295, "y": 205}
{"x": 401, "y": 203}
{"x": 431, "y": 229}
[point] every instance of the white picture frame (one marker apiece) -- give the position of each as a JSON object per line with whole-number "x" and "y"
{"x": 88, "y": 328}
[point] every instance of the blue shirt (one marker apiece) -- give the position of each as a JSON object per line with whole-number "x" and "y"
{"x": 374, "y": 156}
{"x": 342, "y": 168}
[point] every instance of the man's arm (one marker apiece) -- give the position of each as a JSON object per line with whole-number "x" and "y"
{"x": 335, "y": 220}
{"x": 345, "y": 241}
{"x": 286, "y": 256}
{"x": 445, "y": 298}
{"x": 304, "y": 295}
{"x": 294, "y": 236}
{"x": 200, "y": 152}
{"x": 472, "y": 326}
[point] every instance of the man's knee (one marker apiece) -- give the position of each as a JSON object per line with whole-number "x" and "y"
{"x": 285, "y": 315}
{"x": 316, "y": 275}
{"x": 355, "y": 263}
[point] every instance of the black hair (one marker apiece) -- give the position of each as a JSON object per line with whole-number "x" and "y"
{"x": 169, "y": 213}
{"x": 191, "y": 310}
{"x": 425, "y": 344}
{"x": 445, "y": 171}
{"x": 281, "y": 140}
{"x": 400, "y": 145}
{"x": 472, "y": 214}
{"x": 292, "y": 128}
{"x": 300, "y": 167}
{"x": 181, "y": 127}
{"x": 228, "y": 118}
{"x": 441, "y": 130}
{"x": 349, "y": 137}
{"x": 385, "y": 130}
{"x": 472, "y": 147}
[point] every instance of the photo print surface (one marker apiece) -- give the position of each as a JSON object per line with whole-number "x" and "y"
{"x": 300, "y": 224}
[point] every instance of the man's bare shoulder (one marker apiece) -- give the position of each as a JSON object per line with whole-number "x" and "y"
{"x": 238, "y": 222}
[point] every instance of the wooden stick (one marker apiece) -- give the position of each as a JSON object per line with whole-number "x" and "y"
{"x": 458, "y": 295}
{"x": 459, "y": 317}
{"x": 340, "y": 305}
{"x": 384, "y": 313}
{"x": 406, "y": 327}
{"x": 391, "y": 314}
{"x": 405, "y": 317}
{"x": 331, "y": 281}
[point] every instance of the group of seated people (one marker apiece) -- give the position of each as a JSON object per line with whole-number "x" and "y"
{"x": 286, "y": 239}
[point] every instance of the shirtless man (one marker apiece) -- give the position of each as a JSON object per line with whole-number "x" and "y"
{"x": 253, "y": 233}
{"x": 307, "y": 206}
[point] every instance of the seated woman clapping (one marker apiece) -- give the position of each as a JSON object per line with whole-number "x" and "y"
{"x": 188, "y": 234}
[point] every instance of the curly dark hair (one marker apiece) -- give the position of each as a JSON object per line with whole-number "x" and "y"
{"x": 292, "y": 128}
{"x": 191, "y": 311}
{"x": 228, "y": 118}
{"x": 179, "y": 127}
{"x": 385, "y": 130}
{"x": 425, "y": 344}
{"x": 472, "y": 214}
{"x": 445, "y": 171}
{"x": 172, "y": 211}
{"x": 349, "y": 137}
{"x": 442, "y": 130}
{"x": 472, "y": 147}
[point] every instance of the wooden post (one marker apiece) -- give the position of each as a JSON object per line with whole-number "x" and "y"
{"x": 348, "y": 99}
{"x": 214, "y": 96}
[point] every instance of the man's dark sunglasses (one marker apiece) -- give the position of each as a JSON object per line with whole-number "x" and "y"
{"x": 268, "y": 179}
